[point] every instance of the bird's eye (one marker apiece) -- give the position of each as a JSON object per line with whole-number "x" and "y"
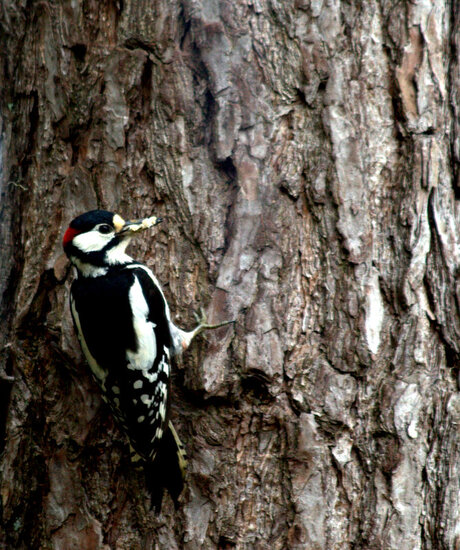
{"x": 104, "y": 228}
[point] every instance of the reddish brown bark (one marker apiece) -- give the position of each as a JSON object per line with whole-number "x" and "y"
{"x": 305, "y": 156}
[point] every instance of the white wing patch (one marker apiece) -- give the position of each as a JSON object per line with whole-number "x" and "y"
{"x": 96, "y": 369}
{"x": 143, "y": 357}
{"x": 155, "y": 282}
{"x": 179, "y": 336}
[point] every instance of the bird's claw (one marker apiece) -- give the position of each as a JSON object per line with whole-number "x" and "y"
{"x": 203, "y": 322}
{"x": 200, "y": 317}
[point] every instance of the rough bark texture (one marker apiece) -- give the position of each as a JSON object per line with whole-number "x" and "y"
{"x": 306, "y": 157}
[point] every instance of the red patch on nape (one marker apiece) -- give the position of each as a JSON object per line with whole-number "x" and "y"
{"x": 69, "y": 235}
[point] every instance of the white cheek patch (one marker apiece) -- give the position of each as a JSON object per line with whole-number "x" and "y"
{"x": 92, "y": 241}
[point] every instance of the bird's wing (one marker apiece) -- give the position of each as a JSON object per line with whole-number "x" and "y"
{"x": 148, "y": 366}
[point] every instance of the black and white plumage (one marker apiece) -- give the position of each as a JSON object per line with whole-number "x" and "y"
{"x": 125, "y": 330}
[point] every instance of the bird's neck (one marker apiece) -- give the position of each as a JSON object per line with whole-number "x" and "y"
{"x": 88, "y": 270}
{"x": 112, "y": 261}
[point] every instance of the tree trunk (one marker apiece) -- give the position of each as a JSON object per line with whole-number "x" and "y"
{"x": 306, "y": 158}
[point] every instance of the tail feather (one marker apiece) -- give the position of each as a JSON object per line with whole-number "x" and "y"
{"x": 167, "y": 471}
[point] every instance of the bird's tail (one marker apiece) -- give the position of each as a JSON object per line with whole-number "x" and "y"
{"x": 167, "y": 471}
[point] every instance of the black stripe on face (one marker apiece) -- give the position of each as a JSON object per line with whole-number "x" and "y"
{"x": 87, "y": 223}
{"x": 96, "y": 258}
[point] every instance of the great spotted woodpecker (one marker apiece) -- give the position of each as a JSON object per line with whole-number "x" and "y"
{"x": 125, "y": 330}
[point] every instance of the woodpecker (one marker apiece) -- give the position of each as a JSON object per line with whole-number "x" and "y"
{"x": 124, "y": 326}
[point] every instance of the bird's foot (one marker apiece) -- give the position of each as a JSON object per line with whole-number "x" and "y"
{"x": 204, "y": 325}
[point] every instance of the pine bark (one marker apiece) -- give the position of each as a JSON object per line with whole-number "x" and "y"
{"x": 305, "y": 156}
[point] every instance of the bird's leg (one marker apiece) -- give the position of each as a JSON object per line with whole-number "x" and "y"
{"x": 182, "y": 339}
{"x": 204, "y": 325}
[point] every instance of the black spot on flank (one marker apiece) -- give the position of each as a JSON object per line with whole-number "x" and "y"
{"x": 163, "y": 377}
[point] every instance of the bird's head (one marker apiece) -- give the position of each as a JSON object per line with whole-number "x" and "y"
{"x": 97, "y": 240}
